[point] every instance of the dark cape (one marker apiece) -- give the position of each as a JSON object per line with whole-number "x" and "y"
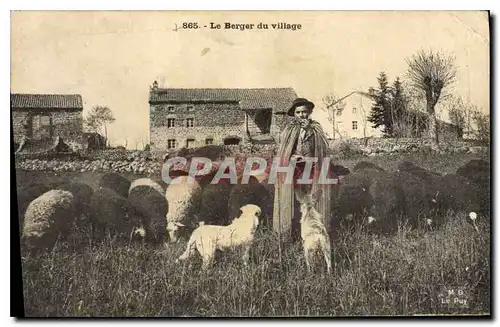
{"x": 284, "y": 197}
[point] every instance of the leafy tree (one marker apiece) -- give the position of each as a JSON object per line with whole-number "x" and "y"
{"x": 459, "y": 114}
{"x": 483, "y": 129}
{"x": 431, "y": 73}
{"x": 99, "y": 117}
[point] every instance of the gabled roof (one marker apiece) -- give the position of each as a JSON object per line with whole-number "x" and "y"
{"x": 365, "y": 94}
{"x": 46, "y": 101}
{"x": 279, "y": 99}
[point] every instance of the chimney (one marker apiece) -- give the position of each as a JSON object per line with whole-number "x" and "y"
{"x": 155, "y": 85}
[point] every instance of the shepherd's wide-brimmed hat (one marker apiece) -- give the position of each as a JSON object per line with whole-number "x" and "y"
{"x": 300, "y": 102}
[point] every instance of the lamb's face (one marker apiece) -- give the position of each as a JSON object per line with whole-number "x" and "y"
{"x": 251, "y": 210}
{"x": 174, "y": 230}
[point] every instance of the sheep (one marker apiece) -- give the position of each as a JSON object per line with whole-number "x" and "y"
{"x": 153, "y": 208}
{"x": 435, "y": 185}
{"x": 479, "y": 173}
{"x": 206, "y": 239}
{"x": 475, "y": 170}
{"x": 49, "y": 215}
{"x": 24, "y": 198}
{"x": 312, "y": 231}
{"x": 215, "y": 204}
{"x": 115, "y": 182}
{"x": 82, "y": 194}
{"x": 251, "y": 193}
{"x": 417, "y": 198}
{"x": 183, "y": 198}
{"x": 353, "y": 199}
{"x": 211, "y": 152}
{"x": 366, "y": 164}
{"x": 147, "y": 182}
{"x": 111, "y": 212}
{"x": 387, "y": 200}
{"x": 340, "y": 170}
{"x": 420, "y": 172}
{"x": 462, "y": 193}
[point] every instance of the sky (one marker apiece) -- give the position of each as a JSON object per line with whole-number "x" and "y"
{"x": 112, "y": 57}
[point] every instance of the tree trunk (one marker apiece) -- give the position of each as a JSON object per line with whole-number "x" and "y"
{"x": 106, "y": 133}
{"x": 432, "y": 127}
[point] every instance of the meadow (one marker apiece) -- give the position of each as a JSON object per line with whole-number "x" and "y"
{"x": 401, "y": 274}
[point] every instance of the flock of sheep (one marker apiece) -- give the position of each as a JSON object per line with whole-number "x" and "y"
{"x": 382, "y": 199}
{"x": 144, "y": 209}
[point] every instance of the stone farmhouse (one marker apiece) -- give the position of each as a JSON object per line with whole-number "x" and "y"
{"x": 352, "y": 121}
{"x": 41, "y": 121}
{"x": 194, "y": 117}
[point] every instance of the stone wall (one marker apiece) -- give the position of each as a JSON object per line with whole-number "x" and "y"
{"x": 67, "y": 124}
{"x": 373, "y": 146}
{"x": 151, "y": 162}
{"x": 211, "y": 120}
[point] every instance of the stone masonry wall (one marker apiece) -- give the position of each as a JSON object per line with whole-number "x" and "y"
{"x": 17, "y": 125}
{"x": 65, "y": 123}
{"x": 211, "y": 120}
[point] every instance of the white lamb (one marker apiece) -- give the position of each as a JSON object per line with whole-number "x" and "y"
{"x": 183, "y": 198}
{"x": 313, "y": 232}
{"x": 238, "y": 235}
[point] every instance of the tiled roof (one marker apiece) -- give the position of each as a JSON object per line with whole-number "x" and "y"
{"x": 46, "y": 101}
{"x": 279, "y": 99}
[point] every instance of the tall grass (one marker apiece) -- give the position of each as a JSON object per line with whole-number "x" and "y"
{"x": 401, "y": 274}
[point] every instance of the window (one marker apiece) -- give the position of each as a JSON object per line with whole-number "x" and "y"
{"x": 170, "y": 122}
{"x": 190, "y": 108}
{"x": 339, "y": 112}
{"x": 170, "y": 108}
{"x": 190, "y": 143}
{"x": 45, "y": 125}
{"x": 354, "y": 110}
{"x": 209, "y": 141}
{"x": 354, "y": 124}
{"x": 171, "y": 144}
{"x": 189, "y": 122}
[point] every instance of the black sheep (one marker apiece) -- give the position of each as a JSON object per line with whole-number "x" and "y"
{"x": 462, "y": 193}
{"x": 115, "y": 182}
{"x": 153, "y": 208}
{"x": 366, "y": 164}
{"x": 352, "y": 201}
{"x": 215, "y": 204}
{"x": 478, "y": 172}
{"x": 417, "y": 198}
{"x": 251, "y": 193}
{"x": 387, "y": 203}
{"x": 111, "y": 212}
{"x": 82, "y": 194}
{"x": 435, "y": 185}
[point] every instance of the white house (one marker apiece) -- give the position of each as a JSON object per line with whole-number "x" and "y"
{"x": 352, "y": 120}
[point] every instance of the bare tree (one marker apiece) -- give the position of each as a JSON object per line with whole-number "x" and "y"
{"x": 431, "y": 73}
{"x": 333, "y": 106}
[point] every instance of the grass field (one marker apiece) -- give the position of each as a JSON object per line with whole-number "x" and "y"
{"x": 403, "y": 274}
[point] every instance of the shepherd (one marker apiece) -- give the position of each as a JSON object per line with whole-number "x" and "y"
{"x": 301, "y": 140}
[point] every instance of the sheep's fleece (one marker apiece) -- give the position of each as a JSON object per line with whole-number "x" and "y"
{"x": 50, "y": 212}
